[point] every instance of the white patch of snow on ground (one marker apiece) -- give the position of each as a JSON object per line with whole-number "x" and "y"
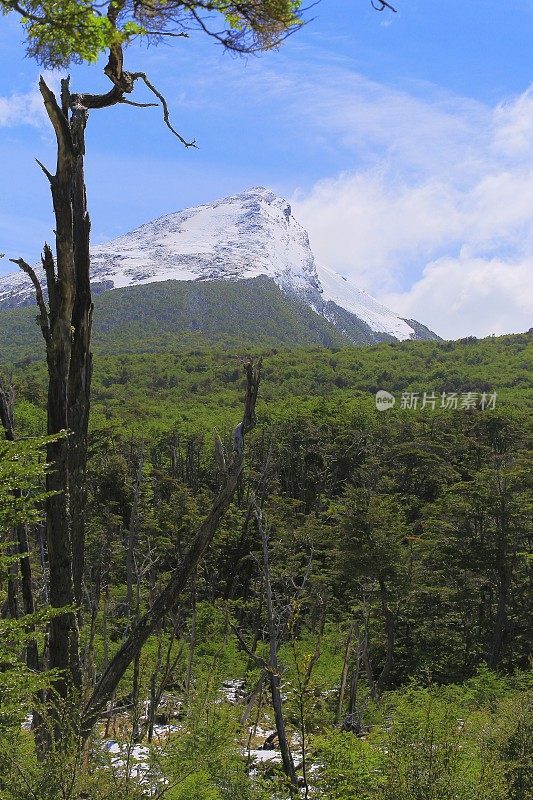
{"x": 232, "y": 690}
{"x": 263, "y": 756}
{"x": 162, "y": 731}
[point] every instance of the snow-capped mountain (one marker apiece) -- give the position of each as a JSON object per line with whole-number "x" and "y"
{"x": 239, "y": 237}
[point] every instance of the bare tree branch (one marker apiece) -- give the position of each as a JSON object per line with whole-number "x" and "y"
{"x": 47, "y": 260}
{"x": 167, "y": 600}
{"x": 138, "y": 105}
{"x": 383, "y": 5}
{"x": 166, "y": 114}
{"x": 45, "y": 170}
{"x": 258, "y": 660}
{"x": 43, "y": 316}
{"x": 57, "y": 118}
{"x": 174, "y": 35}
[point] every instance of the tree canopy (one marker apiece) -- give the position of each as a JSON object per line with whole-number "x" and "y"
{"x": 73, "y": 31}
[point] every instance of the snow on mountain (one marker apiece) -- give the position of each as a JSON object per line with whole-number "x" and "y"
{"x": 243, "y": 236}
{"x": 16, "y": 289}
{"x": 238, "y": 237}
{"x": 339, "y": 290}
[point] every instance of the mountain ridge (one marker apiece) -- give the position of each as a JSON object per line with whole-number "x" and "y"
{"x": 236, "y": 238}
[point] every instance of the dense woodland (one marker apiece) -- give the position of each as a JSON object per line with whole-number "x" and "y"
{"x": 337, "y": 607}
{"x": 365, "y": 606}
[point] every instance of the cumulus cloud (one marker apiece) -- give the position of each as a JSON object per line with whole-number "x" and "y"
{"x": 368, "y": 225}
{"x": 26, "y": 108}
{"x": 21, "y": 109}
{"x": 436, "y": 218}
{"x": 466, "y": 296}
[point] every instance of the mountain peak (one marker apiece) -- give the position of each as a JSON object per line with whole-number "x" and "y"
{"x": 257, "y": 199}
{"x": 238, "y": 237}
{"x": 261, "y": 191}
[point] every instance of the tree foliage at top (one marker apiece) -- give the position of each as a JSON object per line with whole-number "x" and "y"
{"x": 73, "y": 31}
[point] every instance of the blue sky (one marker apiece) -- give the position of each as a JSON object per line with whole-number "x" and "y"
{"x": 404, "y": 142}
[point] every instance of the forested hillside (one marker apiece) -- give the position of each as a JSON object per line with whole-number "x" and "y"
{"x": 186, "y": 315}
{"x": 199, "y": 388}
{"x": 182, "y": 315}
{"x": 360, "y": 626}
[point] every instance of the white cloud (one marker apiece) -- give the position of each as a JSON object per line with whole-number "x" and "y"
{"x": 467, "y": 296}
{"x": 514, "y": 126}
{"x": 440, "y": 227}
{"x": 368, "y": 226}
{"x": 22, "y": 109}
{"x": 26, "y": 108}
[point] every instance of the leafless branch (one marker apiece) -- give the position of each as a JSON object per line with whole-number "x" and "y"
{"x": 249, "y": 652}
{"x": 47, "y": 260}
{"x": 166, "y": 114}
{"x": 57, "y": 118}
{"x": 180, "y": 35}
{"x": 138, "y": 105}
{"x": 169, "y": 596}
{"x": 46, "y": 171}
{"x": 43, "y": 316}
{"x": 382, "y": 6}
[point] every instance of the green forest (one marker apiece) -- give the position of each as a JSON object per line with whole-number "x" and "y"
{"x": 359, "y": 627}
{"x": 249, "y": 551}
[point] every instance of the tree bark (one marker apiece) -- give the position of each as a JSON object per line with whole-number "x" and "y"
{"x": 273, "y": 665}
{"x": 80, "y": 372}
{"x": 344, "y": 674}
{"x": 59, "y": 336}
{"x": 390, "y": 624}
{"x": 66, "y": 328}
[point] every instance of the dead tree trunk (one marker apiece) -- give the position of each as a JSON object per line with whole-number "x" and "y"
{"x": 273, "y": 665}
{"x": 303, "y": 688}
{"x": 344, "y": 674}
{"x": 167, "y": 670}
{"x": 504, "y": 577}
{"x": 80, "y": 371}
{"x": 66, "y": 328}
{"x": 192, "y": 637}
{"x": 167, "y": 600}
{"x": 133, "y": 534}
{"x": 354, "y": 719}
{"x": 390, "y": 624}
{"x": 61, "y": 326}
